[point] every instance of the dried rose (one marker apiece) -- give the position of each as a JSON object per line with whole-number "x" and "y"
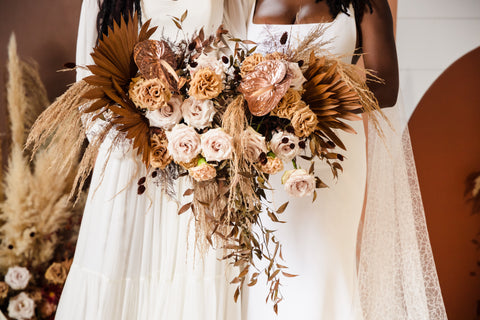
{"x": 17, "y": 277}
{"x": 198, "y": 113}
{"x": 304, "y": 121}
{"x": 3, "y": 290}
{"x": 151, "y": 94}
{"x": 211, "y": 62}
{"x": 253, "y": 144}
{"x": 298, "y": 183}
{"x": 167, "y": 116}
{"x": 285, "y": 145}
{"x": 273, "y": 165}
{"x": 287, "y": 105}
{"x": 47, "y": 308}
{"x": 183, "y": 143}
{"x": 265, "y": 86}
{"x": 298, "y": 78}
{"x": 250, "y": 63}
{"x": 205, "y": 84}
{"x": 56, "y": 273}
{"x": 217, "y": 145}
{"x": 203, "y": 171}
{"x": 159, "y": 155}
{"x": 21, "y": 307}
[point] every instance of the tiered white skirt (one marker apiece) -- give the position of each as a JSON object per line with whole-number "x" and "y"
{"x": 135, "y": 257}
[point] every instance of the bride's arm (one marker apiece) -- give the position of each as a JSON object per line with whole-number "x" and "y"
{"x": 380, "y": 55}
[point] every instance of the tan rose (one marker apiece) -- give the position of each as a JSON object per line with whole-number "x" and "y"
{"x": 250, "y": 63}
{"x": 304, "y": 121}
{"x": 46, "y": 309}
{"x": 203, "y": 172}
{"x": 273, "y": 165}
{"x": 151, "y": 94}
{"x": 56, "y": 273}
{"x": 159, "y": 155}
{"x": 287, "y": 106}
{"x": 253, "y": 144}
{"x": 3, "y": 290}
{"x": 205, "y": 84}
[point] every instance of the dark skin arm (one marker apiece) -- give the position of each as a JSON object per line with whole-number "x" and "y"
{"x": 375, "y": 37}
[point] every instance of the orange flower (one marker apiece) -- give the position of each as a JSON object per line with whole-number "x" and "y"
{"x": 205, "y": 84}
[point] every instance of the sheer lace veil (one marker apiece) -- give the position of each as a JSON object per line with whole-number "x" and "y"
{"x": 396, "y": 273}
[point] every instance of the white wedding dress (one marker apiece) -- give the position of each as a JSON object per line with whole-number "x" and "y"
{"x": 318, "y": 239}
{"x": 135, "y": 257}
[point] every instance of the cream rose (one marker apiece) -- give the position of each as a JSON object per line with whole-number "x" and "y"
{"x": 198, "y": 113}
{"x": 183, "y": 143}
{"x": 21, "y": 307}
{"x": 217, "y": 145}
{"x": 298, "y": 183}
{"x": 209, "y": 61}
{"x": 253, "y": 144}
{"x": 298, "y": 78}
{"x": 167, "y": 116}
{"x": 284, "y": 145}
{"x": 17, "y": 277}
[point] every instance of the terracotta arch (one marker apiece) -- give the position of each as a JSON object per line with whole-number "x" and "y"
{"x": 445, "y": 132}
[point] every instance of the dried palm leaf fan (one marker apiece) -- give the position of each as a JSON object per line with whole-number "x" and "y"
{"x": 113, "y": 70}
{"x": 330, "y": 98}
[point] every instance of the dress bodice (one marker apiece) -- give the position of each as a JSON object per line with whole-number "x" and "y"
{"x": 339, "y": 35}
{"x": 200, "y": 13}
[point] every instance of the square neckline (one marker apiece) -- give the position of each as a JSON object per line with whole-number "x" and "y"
{"x": 252, "y": 14}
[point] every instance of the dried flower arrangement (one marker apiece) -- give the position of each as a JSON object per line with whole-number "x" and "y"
{"x": 227, "y": 122}
{"x": 38, "y": 223}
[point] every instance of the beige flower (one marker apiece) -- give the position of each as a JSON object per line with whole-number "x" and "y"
{"x": 217, "y": 145}
{"x": 167, "y": 116}
{"x": 250, "y": 63}
{"x": 3, "y": 290}
{"x": 151, "y": 94}
{"x": 209, "y": 61}
{"x": 203, "y": 172}
{"x": 287, "y": 106}
{"x": 192, "y": 163}
{"x": 298, "y": 183}
{"x": 284, "y": 145}
{"x": 21, "y": 307}
{"x": 273, "y": 165}
{"x": 183, "y": 143}
{"x": 205, "y": 84}
{"x": 17, "y": 277}
{"x": 198, "y": 113}
{"x": 253, "y": 144}
{"x": 159, "y": 156}
{"x": 304, "y": 121}
{"x": 56, "y": 273}
{"x": 298, "y": 78}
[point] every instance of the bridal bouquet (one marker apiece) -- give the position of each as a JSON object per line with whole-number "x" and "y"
{"x": 228, "y": 122}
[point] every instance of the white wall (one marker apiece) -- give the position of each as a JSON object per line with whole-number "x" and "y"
{"x": 431, "y": 35}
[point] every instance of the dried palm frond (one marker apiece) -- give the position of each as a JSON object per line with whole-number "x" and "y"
{"x": 330, "y": 98}
{"x": 113, "y": 70}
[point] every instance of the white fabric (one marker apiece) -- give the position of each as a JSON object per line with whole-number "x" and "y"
{"x": 134, "y": 257}
{"x": 318, "y": 239}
